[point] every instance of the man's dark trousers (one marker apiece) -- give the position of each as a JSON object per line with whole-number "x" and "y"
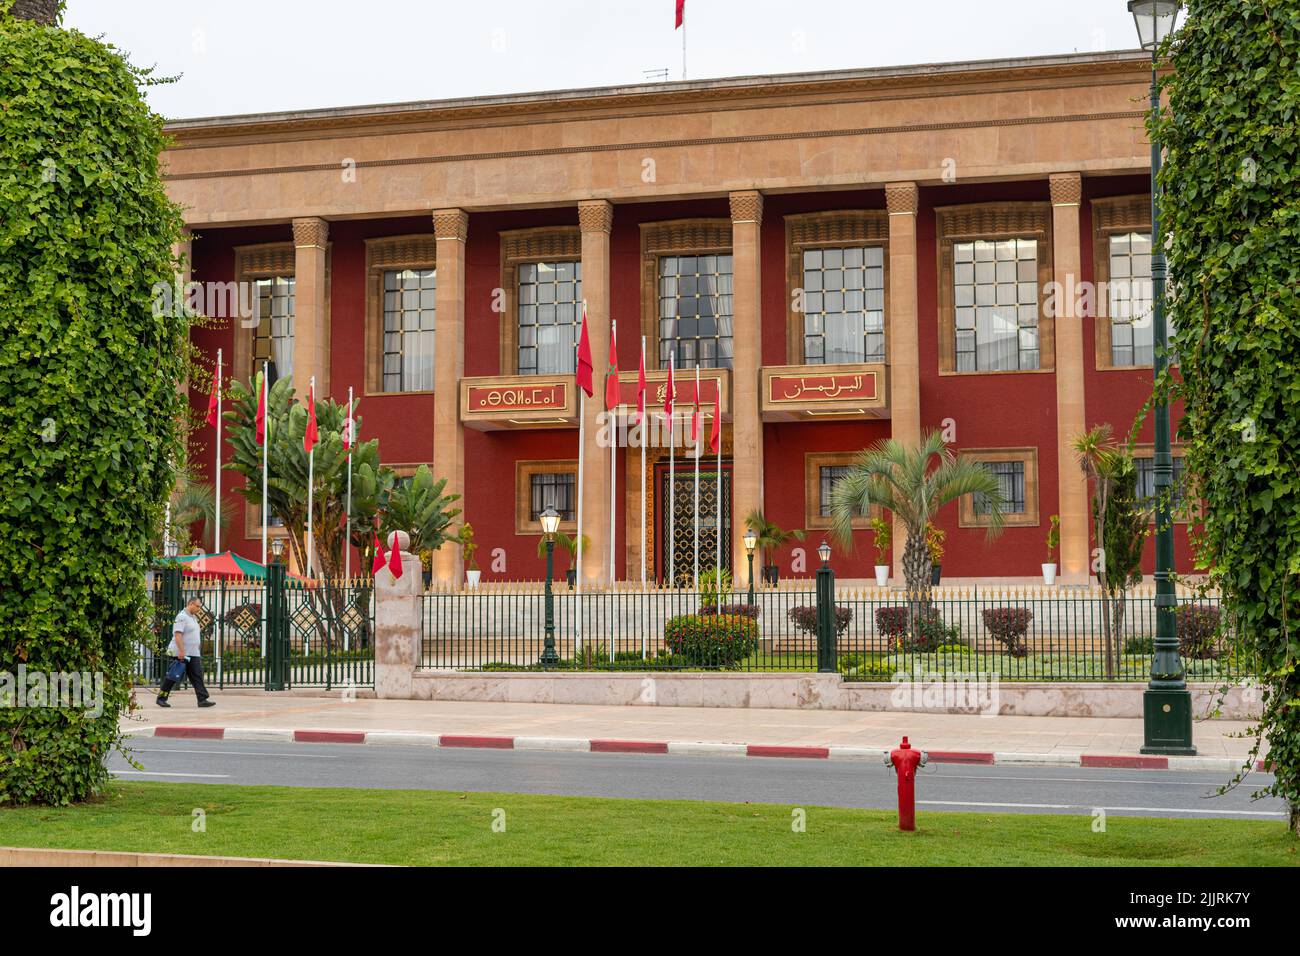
{"x": 194, "y": 671}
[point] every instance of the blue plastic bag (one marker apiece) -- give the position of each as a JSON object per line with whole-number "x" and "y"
{"x": 176, "y": 670}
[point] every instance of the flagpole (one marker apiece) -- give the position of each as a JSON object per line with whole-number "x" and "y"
{"x": 642, "y": 423}
{"x": 672, "y": 482}
{"x": 717, "y": 508}
{"x": 347, "y": 518}
{"x": 613, "y": 467}
{"x": 695, "y": 437}
{"x": 216, "y": 544}
{"x": 266, "y": 441}
{"x": 577, "y": 552}
{"x": 219, "y": 633}
{"x": 311, "y": 484}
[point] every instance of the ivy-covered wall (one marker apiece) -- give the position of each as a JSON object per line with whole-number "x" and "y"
{"x": 88, "y": 391}
{"x": 1231, "y": 207}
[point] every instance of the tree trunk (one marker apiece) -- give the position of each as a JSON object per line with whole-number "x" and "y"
{"x": 41, "y": 11}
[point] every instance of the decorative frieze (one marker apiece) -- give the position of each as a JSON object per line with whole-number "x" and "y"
{"x": 901, "y": 198}
{"x": 451, "y": 224}
{"x": 1067, "y": 189}
{"x": 311, "y": 232}
{"x": 595, "y": 215}
{"x": 747, "y": 206}
{"x": 990, "y": 220}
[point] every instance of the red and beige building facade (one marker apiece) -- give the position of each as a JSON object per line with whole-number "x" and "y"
{"x": 846, "y": 257}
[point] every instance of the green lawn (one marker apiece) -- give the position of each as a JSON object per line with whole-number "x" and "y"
{"x": 430, "y": 827}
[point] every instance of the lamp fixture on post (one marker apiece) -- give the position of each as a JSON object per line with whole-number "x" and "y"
{"x": 826, "y": 635}
{"x": 550, "y": 519}
{"x": 277, "y": 548}
{"x": 1166, "y": 702}
{"x": 751, "y": 542}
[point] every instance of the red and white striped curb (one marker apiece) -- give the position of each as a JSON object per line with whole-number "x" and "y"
{"x": 390, "y": 738}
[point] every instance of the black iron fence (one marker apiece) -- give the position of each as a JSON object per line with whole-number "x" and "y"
{"x": 1031, "y": 633}
{"x": 308, "y": 635}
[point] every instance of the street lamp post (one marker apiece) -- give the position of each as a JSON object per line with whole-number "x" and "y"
{"x": 751, "y": 542}
{"x": 550, "y": 524}
{"x": 825, "y": 612}
{"x": 1166, "y": 702}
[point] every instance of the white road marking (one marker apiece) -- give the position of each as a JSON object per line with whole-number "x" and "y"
{"x": 232, "y": 753}
{"x": 159, "y": 773}
{"x": 1076, "y": 806}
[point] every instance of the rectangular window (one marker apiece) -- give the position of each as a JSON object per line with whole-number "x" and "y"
{"x": 695, "y": 311}
{"x": 273, "y": 334}
{"x": 550, "y": 316}
{"x": 1129, "y": 299}
{"x": 1146, "y": 481}
{"x": 995, "y": 295}
{"x": 844, "y": 305}
{"x": 1011, "y": 485}
{"x": 830, "y": 474}
{"x": 553, "y": 490}
{"x": 409, "y": 311}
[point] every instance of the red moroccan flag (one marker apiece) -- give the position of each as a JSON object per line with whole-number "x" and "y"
{"x": 586, "y": 368}
{"x": 715, "y": 432}
{"x": 311, "y": 435}
{"x": 668, "y": 391}
{"x": 640, "y": 389}
{"x": 380, "y": 560}
{"x": 213, "y": 397}
{"x": 681, "y": 13}
{"x": 395, "y": 561}
{"x": 612, "y": 396}
{"x": 695, "y": 418}
{"x": 261, "y": 412}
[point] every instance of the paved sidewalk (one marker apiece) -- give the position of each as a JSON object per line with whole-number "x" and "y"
{"x": 1050, "y": 737}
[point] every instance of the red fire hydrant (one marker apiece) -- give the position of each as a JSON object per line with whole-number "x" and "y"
{"x": 905, "y": 761}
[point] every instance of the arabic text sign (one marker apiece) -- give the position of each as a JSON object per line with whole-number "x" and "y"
{"x": 811, "y": 389}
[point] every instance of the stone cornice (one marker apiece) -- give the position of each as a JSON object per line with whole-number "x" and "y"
{"x": 711, "y": 94}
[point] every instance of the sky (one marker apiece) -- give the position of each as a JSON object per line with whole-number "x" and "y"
{"x": 256, "y": 56}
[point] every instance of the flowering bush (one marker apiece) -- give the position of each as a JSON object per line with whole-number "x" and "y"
{"x": 712, "y": 640}
{"x": 929, "y": 633}
{"x": 1197, "y": 627}
{"x": 1008, "y": 625}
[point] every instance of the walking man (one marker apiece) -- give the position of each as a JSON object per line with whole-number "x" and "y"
{"x": 185, "y": 646}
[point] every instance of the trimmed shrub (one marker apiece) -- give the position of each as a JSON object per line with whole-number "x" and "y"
{"x": 744, "y": 610}
{"x": 805, "y": 618}
{"x": 859, "y": 667}
{"x": 1009, "y": 625}
{"x": 1140, "y": 645}
{"x": 711, "y": 640}
{"x": 1197, "y": 627}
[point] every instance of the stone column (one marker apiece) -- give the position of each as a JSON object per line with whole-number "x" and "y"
{"x": 747, "y": 358}
{"x": 311, "y": 355}
{"x": 595, "y": 219}
{"x": 397, "y": 623}
{"x": 1071, "y": 417}
{"x": 451, "y": 227}
{"x": 903, "y": 347}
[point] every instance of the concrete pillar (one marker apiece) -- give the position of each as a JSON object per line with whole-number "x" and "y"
{"x": 451, "y": 228}
{"x": 747, "y": 425}
{"x": 397, "y": 623}
{"x": 903, "y": 347}
{"x": 595, "y": 219}
{"x": 1071, "y": 416}
{"x": 311, "y": 355}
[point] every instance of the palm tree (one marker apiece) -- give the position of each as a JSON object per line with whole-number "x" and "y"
{"x": 1119, "y": 525}
{"x": 913, "y": 483}
{"x": 771, "y": 538}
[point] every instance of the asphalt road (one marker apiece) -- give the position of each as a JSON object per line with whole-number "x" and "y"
{"x": 789, "y": 781}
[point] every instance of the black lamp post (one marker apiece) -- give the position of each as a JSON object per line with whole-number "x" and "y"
{"x": 1166, "y": 703}
{"x": 550, "y": 524}
{"x": 825, "y": 612}
{"x": 751, "y": 542}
